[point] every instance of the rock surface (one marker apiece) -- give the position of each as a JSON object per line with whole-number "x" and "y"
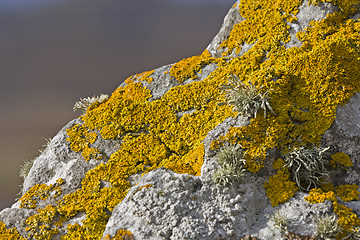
{"x": 76, "y": 198}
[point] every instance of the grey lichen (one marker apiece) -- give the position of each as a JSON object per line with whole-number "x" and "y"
{"x": 25, "y": 168}
{"x": 308, "y": 166}
{"x": 280, "y": 222}
{"x": 354, "y": 235}
{"x": 327, "y": 227}
{"x": 85, "y": 103}
{"x": 246, "y": 98}
{"x": 231, "y": 165}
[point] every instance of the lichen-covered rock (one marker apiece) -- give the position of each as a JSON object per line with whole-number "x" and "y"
{"x": 166, "y": 205}
{"x": 141, "y": 163}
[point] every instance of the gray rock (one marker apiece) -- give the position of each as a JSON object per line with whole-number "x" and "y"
{"x": 301, "y": 217}
{"x": 180, "y": 206}
{"x": 13, "y": 217}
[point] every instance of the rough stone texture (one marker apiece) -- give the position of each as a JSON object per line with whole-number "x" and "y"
{"x": 302, "y": 217}
{"x": 344, "y": 135}
{"x": 59, "y": 161}
{"x": 210, "y": 164}
{"x": 179, "y": 206}
{"x": 232, "y": 18}
{"x": 176, "y": 206}
{"x": 14, "y": 217}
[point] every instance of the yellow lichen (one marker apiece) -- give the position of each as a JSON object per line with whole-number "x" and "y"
{"x": 143, "y": 77}
{"x": 346, "y": 6}
{"x": 278, "y": 164}
{"x": 347, "y": 192}
{"x": 80, "y": 138}
{"x": 341, "y": 159}
{"x": 316, "y": 195}
{"x": 187, "y": 68}
{"x": 153, "y": 136}
{"x": 265, "y": 24}
{"x": 347, "y": 220}
{"x": 327, "y": 186}
{"x": 40, "y": 192}
{"x": 9, "y": 234}
{"x": 40, "y": 225}
{"x": 279, "y": 188}
{"x": 121, "y": 234}
{"x": 145, "y": 186}
{"x": 308, "y": 83}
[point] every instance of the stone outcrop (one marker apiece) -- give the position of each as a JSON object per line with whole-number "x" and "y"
{"x": 141, "y": 164}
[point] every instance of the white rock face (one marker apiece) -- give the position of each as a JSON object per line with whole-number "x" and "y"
{"x": 180, "y": 206}
{"x": 166, "y": 205}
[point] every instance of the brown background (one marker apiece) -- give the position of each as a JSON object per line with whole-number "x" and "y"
{"x": 53, "y": 54}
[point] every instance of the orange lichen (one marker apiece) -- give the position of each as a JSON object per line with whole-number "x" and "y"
{"x": 121, "y": 234}
{"x": 145, "y": 186}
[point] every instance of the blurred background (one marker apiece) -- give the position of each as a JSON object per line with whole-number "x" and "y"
{"x": 54, "y": 52}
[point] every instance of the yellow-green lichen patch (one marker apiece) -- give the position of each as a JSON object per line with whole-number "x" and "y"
{"x": 155, "y": 134}
{"x": 317, "y": 195}
{"x": 347, "y": 192}
{"x": 279, "y": 188}
{"x": 143, "y": 77}
{"x": 187, "y": 68}
{"x": 80, "y": 138}
{"x": 41, "y": 226}
{"x": 347, "y": 220}
{"x": 264, "y": 24}
{"x": 305, "y": 85}
{"x": 40, "y": 192}
{"x": 341, "y": 160}
{"x": 124, "y": 112}
{"x": 308, "y": 83}
{"x": 279, "y": 164}
{"x": 9, "y": 234}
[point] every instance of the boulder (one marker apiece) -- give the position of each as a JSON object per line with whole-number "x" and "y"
{"x": 256, "y": 138}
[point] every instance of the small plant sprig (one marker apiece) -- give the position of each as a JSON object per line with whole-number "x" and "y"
{"x": 246, "y": 99}
{"x": 280, "y": 221}
{"x": 85, "y": 103}
{"x": 327, "y": 227}
{"x": 308, "y": 166}
{"x": 231, "y": 165}
{"x": 25, "y": 168}
{"x": 355, "y": 234}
